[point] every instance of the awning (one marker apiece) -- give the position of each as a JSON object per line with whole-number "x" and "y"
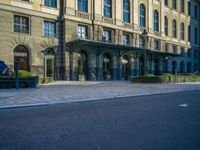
{"x": 90, "y": 44}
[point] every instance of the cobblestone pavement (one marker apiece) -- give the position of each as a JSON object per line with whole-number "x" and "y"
{"x": 61, "y": 92}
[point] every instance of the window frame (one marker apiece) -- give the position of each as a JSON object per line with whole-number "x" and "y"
{"x": 174, "y": 28}
{"x": 182, "y": 31}
{"x": 142, "y": 15}
{"x": 49, "y": 3}
{"x": 20, "y": 25}
{"x": 55, "y": 28}
{"x": 85, "y": 35}
{"x": 82, "y": 8}
{"x": 155, "y": 21}
{"x": 106, "y": 5}
{"x": 126, "y": 11}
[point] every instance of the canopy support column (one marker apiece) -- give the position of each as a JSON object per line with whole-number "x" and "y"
{"x": 97, "y": 64}
{"x": 71, "y": 63}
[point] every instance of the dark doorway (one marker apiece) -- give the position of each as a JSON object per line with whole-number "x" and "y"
{"x": 174, "y": 67}
{"x": 189, "y": 69}
{"x": 21, "y": 56}
{"x": 141, "y": 66}
{"x": 156, "y": 67}
{"x": 182, "y": 67}
{"x": 126, "y": 67}
{"x": 106, "y": 66}
{"x": 83, "y": 65}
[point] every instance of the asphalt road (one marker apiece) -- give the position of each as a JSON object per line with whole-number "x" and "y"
{"x": 154, "y": 122}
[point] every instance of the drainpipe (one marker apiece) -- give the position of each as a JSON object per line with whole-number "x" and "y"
{"x": 93, "y": 17}
{"x": 61, "y": 43}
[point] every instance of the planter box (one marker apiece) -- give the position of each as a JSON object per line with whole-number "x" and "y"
{"x": 10, "y": 82}
{"x": 160, "y": 79}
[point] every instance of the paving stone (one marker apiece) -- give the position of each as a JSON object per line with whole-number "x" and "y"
{"x": 60, "y": 92}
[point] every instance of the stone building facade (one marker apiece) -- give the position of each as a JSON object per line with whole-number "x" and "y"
{"x": 100, "y": 39}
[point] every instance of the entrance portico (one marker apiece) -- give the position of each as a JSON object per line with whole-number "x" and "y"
{"x": 107, "y": 61}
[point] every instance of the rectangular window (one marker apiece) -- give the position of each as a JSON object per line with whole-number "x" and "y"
{"x": 50, "y": 3}
{"x": 195, "y": 12}
{"x": 21, "y": 24}
{"x": 182, "y": 52}
{"x": 189, "y": 9}
{"x": 174, "y": 49}
{"x": 166, "y": 2}
{"x": 183, "y": 6}
{"x": 108, "y": 8}
{"x": 26, "y": 0}
{"x": 166, "y": 47}
{"x": 107, "y": 36}
{"x": 82, "y": 31}
{"x": 174, "y": 4}
{"x": 49, "y": 29}
{"x": 156, "y": 45}
{"x": 125, "y": 39}
{"x": 83, "y": 6}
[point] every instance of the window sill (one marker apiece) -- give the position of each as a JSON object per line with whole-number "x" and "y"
{"x": 108, "y": 20}
{"x": 28, "y": 34}
{"x": 50, "y": 37}
{"x": 30, "y": 2}
{"x": 49, "y": 7}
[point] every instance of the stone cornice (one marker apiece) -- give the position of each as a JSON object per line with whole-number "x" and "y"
{"x": 27, "y": 11}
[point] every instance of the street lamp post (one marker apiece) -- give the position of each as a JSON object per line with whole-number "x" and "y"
{"x": 144, "y": 38}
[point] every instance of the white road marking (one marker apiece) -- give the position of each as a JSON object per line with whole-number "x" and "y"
{"x": 183, "y": 105}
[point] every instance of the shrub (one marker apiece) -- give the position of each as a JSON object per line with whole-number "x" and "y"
{"x": 149, "y": 75}
{"x": 22, "y": 74}
{"x": 188, "y": 74}
{"x": 167, "y": 75}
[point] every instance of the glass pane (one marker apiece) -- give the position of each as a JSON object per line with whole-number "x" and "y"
{"x": 49, "y": 69}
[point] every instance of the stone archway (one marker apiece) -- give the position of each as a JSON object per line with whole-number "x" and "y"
{"x": 106, "y": 66}
{"x": 126, "y": 69}
{"x": 21, "y": 57}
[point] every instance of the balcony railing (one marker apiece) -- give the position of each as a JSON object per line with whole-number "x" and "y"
{"x": 82, "y": 15}
{"x": 108, "y": 20}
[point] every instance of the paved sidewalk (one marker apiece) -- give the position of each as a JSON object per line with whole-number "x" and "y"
{"x": 61, "y": 92}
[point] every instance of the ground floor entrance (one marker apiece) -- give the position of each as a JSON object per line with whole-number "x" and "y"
{"x": 91, "y": 60}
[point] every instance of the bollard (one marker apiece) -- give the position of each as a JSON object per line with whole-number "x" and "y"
{"x": 17, "y": 76}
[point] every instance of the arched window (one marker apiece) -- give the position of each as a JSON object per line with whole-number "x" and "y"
{"x": 183, "y": 6}
{"x": 182, "y": 31}
{"x": 108, "y": 8}
{"x": 21, "y": 57}
{"x": 195, "y": 35}
{"x": 166, "y": 26}
{"x": 83, "y": 5}
{"x": 174, "y": 4}
{"x": 156, "y": 20}
{"x": 142, "y": 15}
{"x": 126, "y": 11}
{"x": 174, "y": 31}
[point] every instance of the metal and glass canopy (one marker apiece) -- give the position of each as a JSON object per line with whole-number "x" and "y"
{"x": 78, "y": 44}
